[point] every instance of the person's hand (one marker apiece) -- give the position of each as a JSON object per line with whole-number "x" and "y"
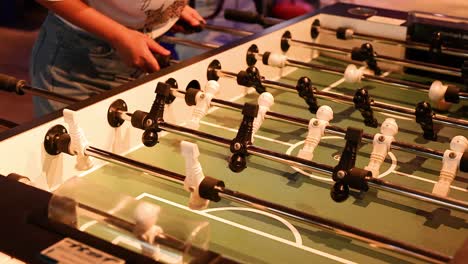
{"x": 192, "y": 16}
{"x": 190, "y": 21}
{"x": 136, "y": 48}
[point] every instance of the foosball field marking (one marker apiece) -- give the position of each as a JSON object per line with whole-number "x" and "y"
{"x": 333, "y": 85}
{"x": 270, "y": 235}
{"x": 392, "y": 156}
{"x": 427, "y": 180}
{"x": 297, "y": 241}
{"x": 297, "y": 244}
{"x": 88, "y": 224}
{"x": 206, "y": 213}
{"x": 329, "y": 179}
{"x": 167, "y": 257}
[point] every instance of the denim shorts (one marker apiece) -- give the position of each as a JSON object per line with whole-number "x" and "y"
{"x": 74, "y": 63}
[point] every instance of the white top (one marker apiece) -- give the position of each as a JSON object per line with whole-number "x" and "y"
{"x": 152, "y": 16}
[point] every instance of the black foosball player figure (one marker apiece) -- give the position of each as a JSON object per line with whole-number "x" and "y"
{"x": 306, "y": 91}
{"x": 362, "y": 102}
{"x": 251, "y": 78}
{"x": 345, "y": 174}
{"x": 424, "y": 116}
{"x": 243, "y": 139}
{"x": 255, "y": 79}
{"x": 366, "y": 53}
{"x": 155, "y": 115}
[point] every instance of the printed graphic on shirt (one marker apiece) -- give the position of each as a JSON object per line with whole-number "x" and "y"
{"x": 161, "y": 15}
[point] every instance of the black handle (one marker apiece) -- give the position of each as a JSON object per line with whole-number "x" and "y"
{"x": 10, "y": 83}
{"x": 163, "y": 60}
{"x": 241, "y": 16}
{"x": 187, "y": 28}
{"x": 250, "y": 17}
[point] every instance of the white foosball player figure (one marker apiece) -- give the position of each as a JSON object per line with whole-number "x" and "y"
{"x": 78, "y": 141}
{"x": 203, "y": 100}
{"x": 450, "y": 165}
{"x": 146, "y": 215}
{"x": 381, "y": 145}
{"x": 353, "y": 74}
{"x": 316, "y": 131}
{"x": 277, "y": 60}
{"x": 437, "y": 96}
{"x": 193, "y": 175}
{"x": 265, "y": 101}
{"x": 436, "y": 92}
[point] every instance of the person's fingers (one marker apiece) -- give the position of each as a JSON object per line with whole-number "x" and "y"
{"x": 192, "y": 16}
{"x": 155, "y": 47}
{"x": 192, "y": 20}
{"x": 198, "y": 17}
{"x": 151, "y": 64}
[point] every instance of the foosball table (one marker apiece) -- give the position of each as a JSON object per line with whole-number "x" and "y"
{"x": 315, "y": 141}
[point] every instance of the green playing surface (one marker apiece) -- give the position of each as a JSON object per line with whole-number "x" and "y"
{"x": 247, "y": 235}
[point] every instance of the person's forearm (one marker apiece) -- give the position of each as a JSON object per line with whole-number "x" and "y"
{"x": 81, "y": 15}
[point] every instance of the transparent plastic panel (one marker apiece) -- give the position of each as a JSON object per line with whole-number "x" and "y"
{"x": 137, "y": 225}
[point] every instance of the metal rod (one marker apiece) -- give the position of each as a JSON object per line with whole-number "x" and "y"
{"x": 419, "y": 195}
{"x": 133, "y": 164}
{"x": 375, "y": 78}
{"x": 408, "y": 44}
{"x": 49, "y": 95}
{"x": 7, "y": 124}
{"x": 335, "y": 227}
{"x": 376, "y": 104}
{"x": 233, "y": 31}
{"x": 397, "y": 145}
{"x": 379, "y": 79}
{"x": 187, "y": 42}
{"x": 404, "y": 62}
{"x": 445, "y": 50}
{"x": 301, "y": 163}
{"x": 223, "y": 73}
{"x": 163, "y": 239}
{"x": 253, "y": 150}
{"x": 372, "y": 239}
{"x": 349, "y": 100}
{"x": 310, "y": 165}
